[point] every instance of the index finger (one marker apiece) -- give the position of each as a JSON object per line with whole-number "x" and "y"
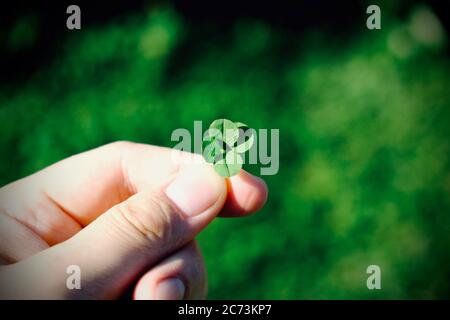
{"x": 86, "y": 185}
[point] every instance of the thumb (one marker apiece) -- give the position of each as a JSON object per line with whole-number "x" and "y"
{"x": 136, "y": 234}
{"x": 139, "y": 232}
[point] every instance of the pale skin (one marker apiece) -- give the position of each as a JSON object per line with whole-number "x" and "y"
{"x": 126, "y": 214}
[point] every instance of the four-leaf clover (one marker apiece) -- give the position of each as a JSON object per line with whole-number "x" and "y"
{"x": 223, "y": 144}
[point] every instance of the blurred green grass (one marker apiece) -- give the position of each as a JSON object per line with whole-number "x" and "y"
{"x": 364, "y": 152}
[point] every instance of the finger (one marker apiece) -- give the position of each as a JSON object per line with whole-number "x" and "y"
{"x": 116, "y": 171}
{"x": 246, "y": 194}
{"x": 180, "y": 276}
{"x": 17, "y": 242}
{"x": 128, "y": 239}
{"x": 72, "y": 193}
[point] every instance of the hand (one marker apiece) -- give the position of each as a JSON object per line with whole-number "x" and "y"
{"x": 125, "y": 214}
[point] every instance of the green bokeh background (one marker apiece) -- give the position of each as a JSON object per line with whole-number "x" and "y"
{"x": 364, "y": 138}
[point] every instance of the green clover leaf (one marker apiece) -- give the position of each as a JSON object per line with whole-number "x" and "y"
{"x": 228, "y": 130}
{"x": 212, "y": 151}
{"x": 244, "y": 144}
{"x": 229, "y": 166}
{"x": 223, "y": 144}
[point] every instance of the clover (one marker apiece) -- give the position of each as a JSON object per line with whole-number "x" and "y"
{"x": 224, "y": 143}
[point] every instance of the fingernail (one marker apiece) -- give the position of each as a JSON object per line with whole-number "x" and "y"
{"x": 170, "y": 289}
{"x": 195, "y": 190}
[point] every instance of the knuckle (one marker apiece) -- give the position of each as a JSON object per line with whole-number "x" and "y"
{"x": 149, "y": 218}
{"x": 193, "y": 252}
{"x": 199, "y": 269}
{"x": 122, "y": 145}
{"x": 195, "y": 271}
